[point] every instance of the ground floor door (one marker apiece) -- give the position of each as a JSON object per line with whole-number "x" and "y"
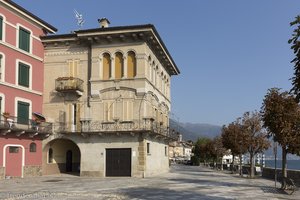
{"x": 69, "y": 161}
{"x": 13, "y": 161}
{"x": 118, "y": 162}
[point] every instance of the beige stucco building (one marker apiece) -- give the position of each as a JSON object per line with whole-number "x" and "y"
{"x": 107, "y": 92}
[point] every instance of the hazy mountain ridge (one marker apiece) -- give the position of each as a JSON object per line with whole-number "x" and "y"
{"x": 192, "y": 131}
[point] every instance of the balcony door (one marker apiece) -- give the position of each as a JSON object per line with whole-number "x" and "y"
{"x": 73, "y": 117}
{"x": 23, "y": 112}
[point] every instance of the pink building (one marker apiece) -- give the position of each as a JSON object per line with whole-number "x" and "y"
{"x": 21, "y": 91}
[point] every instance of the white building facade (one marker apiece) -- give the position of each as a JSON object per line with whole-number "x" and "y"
{"x": 107, "y": 91}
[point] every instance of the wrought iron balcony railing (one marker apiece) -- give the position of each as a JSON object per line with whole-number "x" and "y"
{"x": 68, "y": 84}
{"x": 21, "y": 126}
{"x": 92, "y": 126}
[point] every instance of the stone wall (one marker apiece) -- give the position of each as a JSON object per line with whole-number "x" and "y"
{"x": 270, "y": 174}
{"x": 30, "y": 171}
{"x": 2, "y": 173}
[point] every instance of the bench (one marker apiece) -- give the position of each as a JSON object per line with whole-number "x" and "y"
{"x": 289, "y": 185}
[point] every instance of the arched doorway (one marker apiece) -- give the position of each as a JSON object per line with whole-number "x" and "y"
{"x": 61, "y": 156}
{"x": 14, "y": 156}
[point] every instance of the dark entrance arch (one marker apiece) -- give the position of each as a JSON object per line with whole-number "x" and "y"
{"x": 65, "y": 157}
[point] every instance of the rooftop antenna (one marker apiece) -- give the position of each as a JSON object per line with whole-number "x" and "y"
{"x": 79, "y": 17}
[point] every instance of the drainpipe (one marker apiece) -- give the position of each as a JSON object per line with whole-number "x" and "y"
{"x": 89, "y": 73}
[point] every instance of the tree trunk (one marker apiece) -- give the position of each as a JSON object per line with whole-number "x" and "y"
{"x": 251, "y": 165}
{"x": 221, "y": 163}
{"x": 241, "y": 167}
{"x": 232, "y": 169}
{"x": 284, "y": 167}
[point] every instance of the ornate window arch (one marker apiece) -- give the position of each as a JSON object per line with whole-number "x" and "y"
{"x": 131, "y": 65}
{"x": 119, "y": 65}
{"x": 106, "y": 63}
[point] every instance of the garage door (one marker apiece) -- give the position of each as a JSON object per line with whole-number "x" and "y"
{"x": 118, "y": 162}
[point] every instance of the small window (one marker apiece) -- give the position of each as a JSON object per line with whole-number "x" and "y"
{"x": 166, "y": 151}
{"x": 24, "y": 39}
{"x": 13, "y": 149}
{"x": 32, "y": 147}
{"x": 50, "y": 156}
{"x": 148, "y": 148}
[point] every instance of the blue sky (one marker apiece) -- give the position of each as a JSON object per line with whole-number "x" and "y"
{"x": 229, "y": 52}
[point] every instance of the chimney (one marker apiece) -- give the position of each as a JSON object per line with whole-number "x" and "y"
{"x": 104, "y": 23}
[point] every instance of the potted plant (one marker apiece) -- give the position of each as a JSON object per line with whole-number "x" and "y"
{"x": 6, "y": 114}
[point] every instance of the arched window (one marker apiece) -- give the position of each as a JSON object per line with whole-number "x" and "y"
{"x": 32, "y": 147}
{"x": 50, "y": 156}
{"x": 106, "y": 66}
{"x": 131, "y": 65}
{"x": 119, "y": 66}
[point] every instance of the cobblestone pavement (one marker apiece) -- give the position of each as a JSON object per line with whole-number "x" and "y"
{"x": 183, "y": 182}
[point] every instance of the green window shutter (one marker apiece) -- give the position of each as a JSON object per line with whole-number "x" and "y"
{"x": 1, "y": 106}
{"x": 23, "y": 112}
{"x": 24, "y": 74}
{"x": 1, "y": 28}
{"x": 24, "y": 39}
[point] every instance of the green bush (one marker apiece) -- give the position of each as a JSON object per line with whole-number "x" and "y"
{"x": 195, "y": 160}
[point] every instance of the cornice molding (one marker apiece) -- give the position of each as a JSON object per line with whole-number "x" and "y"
{"x": 21, "y": 51}
{"x": 21, "y": 88}
{"x": 62, "y": 53}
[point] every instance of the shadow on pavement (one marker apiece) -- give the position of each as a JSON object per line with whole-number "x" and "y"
{"x": 165, "y": 194}
{"x": 212, "y": 183}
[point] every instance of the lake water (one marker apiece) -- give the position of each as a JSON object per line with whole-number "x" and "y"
{"x": 291, "y": 164}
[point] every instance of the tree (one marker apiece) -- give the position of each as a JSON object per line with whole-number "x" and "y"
{"x": 233, "y": 139}
{"x": 255, "y": 139}
{"x": 281, "y": 117}
{"x": 200, "y": 150}
{"x": 217, "y": 149}
{"x": 294, "y": 41}
{"x": 295, "y": 46}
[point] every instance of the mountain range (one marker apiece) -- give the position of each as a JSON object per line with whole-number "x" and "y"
{"x": 192, "y": 131}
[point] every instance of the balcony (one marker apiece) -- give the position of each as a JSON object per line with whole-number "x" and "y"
{"x": 17, "y": 126}
{"x": 69, "y": 84}
{"x": 89, "y": 126}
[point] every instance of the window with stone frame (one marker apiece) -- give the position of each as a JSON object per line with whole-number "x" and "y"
{"x": 24, "y": 75}
{"x": 1, "y": 28}
{"x": 24, "y": 39}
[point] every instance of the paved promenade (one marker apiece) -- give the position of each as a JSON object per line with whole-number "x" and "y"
{"x": 183, "y": 182}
